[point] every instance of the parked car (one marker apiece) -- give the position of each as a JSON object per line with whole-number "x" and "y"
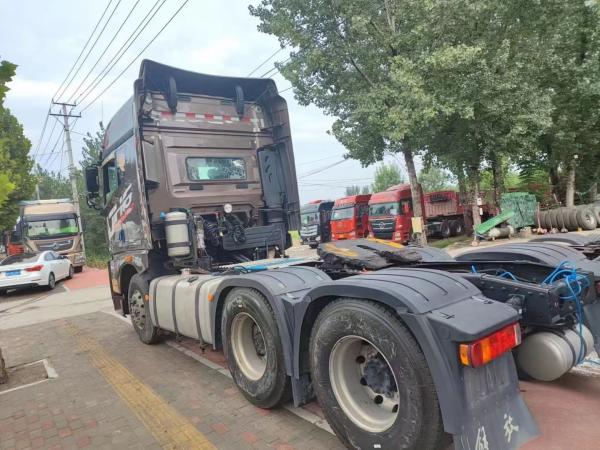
{"x": 34, "y": 269}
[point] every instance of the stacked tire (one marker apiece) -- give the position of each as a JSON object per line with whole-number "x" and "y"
{"x": 585, "y": 217}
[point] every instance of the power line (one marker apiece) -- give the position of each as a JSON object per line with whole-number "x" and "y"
{"x": 41, "y": 138}
{"x": 137, "y": 56}
{"x": 105, "y": 50}
{"x": 274, "y": 69}
{"x": 318, "y": 160}
{"x": 120, "y": 53}
{"x": 313, "y": 172}
{"x": 264, "y": 62}
{"x": 90, "y": 50}
{"x": 83, "y": 49}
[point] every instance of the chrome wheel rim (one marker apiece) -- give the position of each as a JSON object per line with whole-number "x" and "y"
{"x": 248, "y": 346}
{"x": 137, "y": 309}
{"x": 364, "y": 384}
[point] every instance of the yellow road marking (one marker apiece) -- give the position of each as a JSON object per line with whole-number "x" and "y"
{"x": 170, "y": 429}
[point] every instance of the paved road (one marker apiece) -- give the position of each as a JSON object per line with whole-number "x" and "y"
{"x": 112, "y": 391}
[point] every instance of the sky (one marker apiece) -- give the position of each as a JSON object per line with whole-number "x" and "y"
{"x": 218, "y": 37}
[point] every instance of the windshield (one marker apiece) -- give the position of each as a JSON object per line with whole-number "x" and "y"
{"x": 52, "y": 228}
{"x": 343, "y": 213}
{"x": 208, "y": 169}
{"x": 22, "y": 258}
{"x": 384, "y": 209}
{"x": 309, "y": 219}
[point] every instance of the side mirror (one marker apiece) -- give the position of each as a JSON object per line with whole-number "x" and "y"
{"x": 91, "y": 181}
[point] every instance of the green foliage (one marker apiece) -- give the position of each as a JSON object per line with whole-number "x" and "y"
{"x": 16, "y": 182}
{"x": 355, "y": 190}
{"x": 52, "y": 184}
{"x": 436, "y": 179}
{"x": 386, "y": 175}
{"x": 7, "y": 182}
{"x": 465, "y": 83}
{"x": 352, "y": 190}
{"x": 95, "y": 230}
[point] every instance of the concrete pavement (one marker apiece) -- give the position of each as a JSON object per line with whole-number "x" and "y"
{"x": 107, "y": 380}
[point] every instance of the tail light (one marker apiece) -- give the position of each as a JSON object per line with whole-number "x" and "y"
{"x": 35, "y": 268}
{"x": 484, "y": 350}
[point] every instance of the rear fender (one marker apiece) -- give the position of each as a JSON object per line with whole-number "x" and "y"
{"x": 283, "y": 288}
{"x": 440, "y": 310}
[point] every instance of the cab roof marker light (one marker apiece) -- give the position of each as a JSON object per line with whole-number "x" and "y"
{"x": 488, "y": 348}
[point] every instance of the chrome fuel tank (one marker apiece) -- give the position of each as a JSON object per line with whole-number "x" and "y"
{"x": 184, "y": 304}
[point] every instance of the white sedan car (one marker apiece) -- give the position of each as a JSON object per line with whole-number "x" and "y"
{"x": 30, "y": 269}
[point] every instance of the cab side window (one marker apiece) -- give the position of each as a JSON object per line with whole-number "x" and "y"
{"x": 110, "y": 178}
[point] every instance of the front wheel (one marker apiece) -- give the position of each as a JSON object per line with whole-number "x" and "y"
{"x": 253, "y": 348}
{"x": 78, "y": 269}
{"x": 70, "y": 275}
{"x": 139, "y": 310}
{"x": 372, "y": 381}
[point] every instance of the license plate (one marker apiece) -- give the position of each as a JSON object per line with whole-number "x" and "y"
{"x": 13, "y": 273}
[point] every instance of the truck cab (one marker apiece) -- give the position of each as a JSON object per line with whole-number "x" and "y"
{"x": 209, "y": 158}
{"x": 315, "y": 226}
{"x": 390, "y": 214}
{"x": 350, "y": 217}
{"x": 49, "y": 225}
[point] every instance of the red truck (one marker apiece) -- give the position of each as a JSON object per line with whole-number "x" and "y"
{"x": 391, "y": 211}
{"x": 350, "y": 217}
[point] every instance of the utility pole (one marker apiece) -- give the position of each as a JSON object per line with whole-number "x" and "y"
{"x": 66, "y": 115}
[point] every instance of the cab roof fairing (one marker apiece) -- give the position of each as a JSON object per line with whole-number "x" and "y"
{"x": 154, "y": 76}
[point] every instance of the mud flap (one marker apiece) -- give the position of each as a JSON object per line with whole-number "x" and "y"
{"x": 591, "y": 314}
{"x": 496, "y": 416}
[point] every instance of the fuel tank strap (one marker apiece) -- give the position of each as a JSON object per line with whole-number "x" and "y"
{"x": 176, "y": 329}
{"x": 197, "y": 311}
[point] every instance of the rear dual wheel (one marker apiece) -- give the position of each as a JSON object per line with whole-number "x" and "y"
{"x": 372, "y": 381}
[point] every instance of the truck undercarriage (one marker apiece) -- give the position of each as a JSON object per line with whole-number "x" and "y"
{"x": 277, "y": 321}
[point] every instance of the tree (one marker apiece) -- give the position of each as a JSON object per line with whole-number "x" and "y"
{"x": 52, "y": 184}
{"x": 16, "y": 182}
{"x": 95, "y": 230}
{"x": 386, "y": 175}
{"x": 436, "y": 179}
{"x": 356, "y": 190}
{"x": 455, "y": 79}
{"x": 352, "y": 190}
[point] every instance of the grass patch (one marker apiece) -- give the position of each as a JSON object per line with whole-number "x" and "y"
{"x": 443, "y": 243}
{"x": 96, "y": 260}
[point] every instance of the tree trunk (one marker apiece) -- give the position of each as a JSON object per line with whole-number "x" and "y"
{"x": 474, "y": 186}
{"x": 554, "y": 183}
{"x": 498, "y": 179}
{"x": 415, "y": 191}
{"x": 570, "y": 190}
{"x": 464, "y": 199}
{"x": 593, "y": 191}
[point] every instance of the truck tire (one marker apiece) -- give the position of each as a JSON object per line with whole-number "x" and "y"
{"x": 596, "y": 210}
{"x": 457, "y": 227}
{"x": 139, "y": 310}
{"x": 586, "y": 218}
{"x": 78, "y": 269}
{"x": 355, "y": 378}
{"x": 445, "y": 229}
{"x": 253, "y": 348}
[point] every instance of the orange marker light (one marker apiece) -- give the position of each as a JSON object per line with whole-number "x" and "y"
{"x": 211, "y": 297}
{"x": 486, "y": 349}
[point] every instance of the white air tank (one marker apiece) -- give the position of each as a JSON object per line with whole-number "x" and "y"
{"x": 546, "y": 356}
{"x": 176, "y": 231}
